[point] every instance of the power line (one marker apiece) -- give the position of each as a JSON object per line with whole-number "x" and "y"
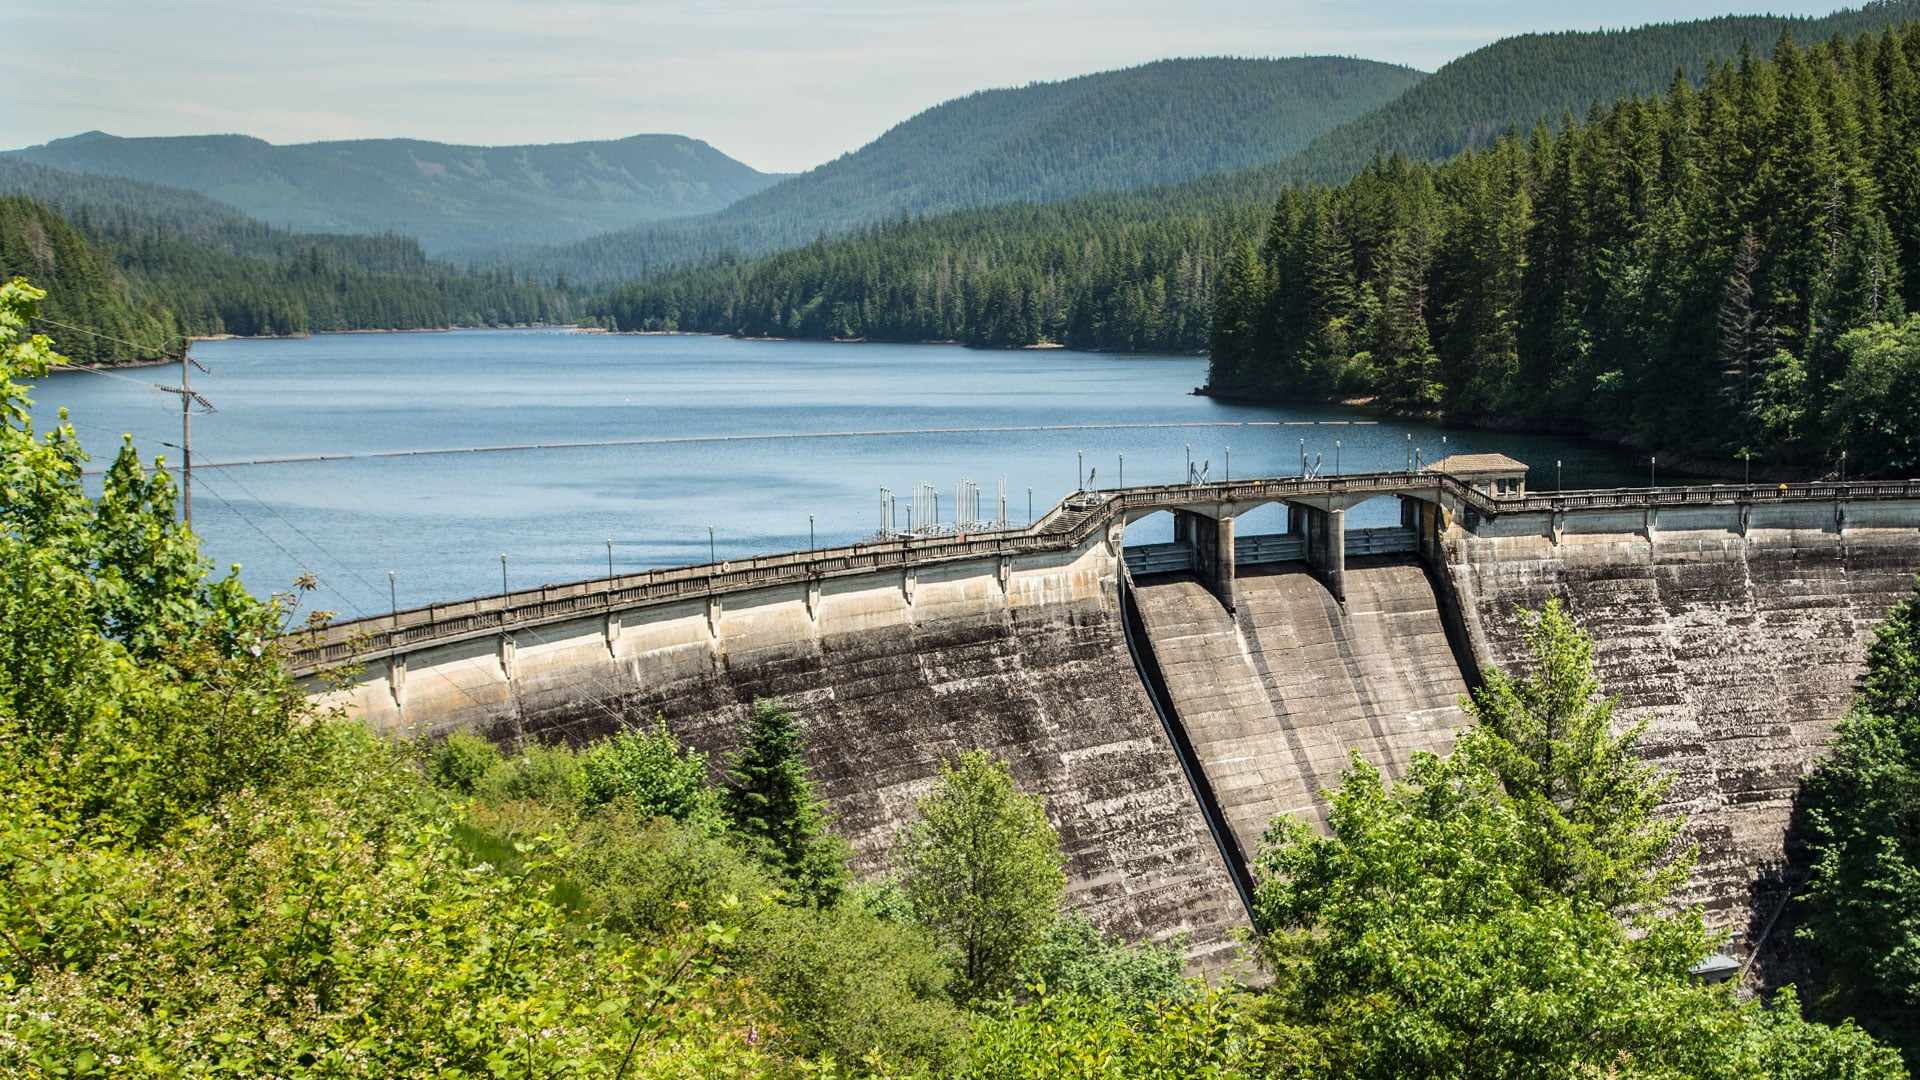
{"x": 678, "y": 440}
{"x": 110, "y": 375}
{"x": 95, "y": 333}
{"x": 317, "y": 545}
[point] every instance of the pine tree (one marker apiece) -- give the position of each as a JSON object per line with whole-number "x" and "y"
{"x": 769, "y": 802}
{"x": 1591, "y": 802}
{"x": 1862, "y": 806}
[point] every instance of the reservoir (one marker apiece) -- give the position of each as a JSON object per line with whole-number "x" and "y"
{"x": 687, "y": 445}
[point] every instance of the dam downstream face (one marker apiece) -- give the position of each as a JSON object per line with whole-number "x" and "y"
{"x": 1275, "y": 697}
{"x": 1732, "y": 623}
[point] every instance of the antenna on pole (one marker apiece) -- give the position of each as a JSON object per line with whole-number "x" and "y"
{"x": 187, "y": 400}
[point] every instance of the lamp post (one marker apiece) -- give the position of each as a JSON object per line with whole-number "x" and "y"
{"x": 1229, "y": 464}
{"x": 1336, "y": 457}
{"x": 393, "y": 599}
{"x": 1556, "y": 474}
{"x": 809, "y": 532}
{"x": 1029, "y": 507}
{"x": 609, "y": 558}
{"x": 712, "y": 556}
{"x": 1080, "y": 470}
{"x": 1189, "y": 463}
{"x": 1303, "y": 459}
{"x": 1123, "y": 470}
{"x": 1843, "y": 466}
{"x": 503, "y": 583}
{"x": 1409, "y": 451}
{"x": 1650, "y": 463}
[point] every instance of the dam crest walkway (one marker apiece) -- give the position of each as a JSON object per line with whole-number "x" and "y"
{"x": 1316, "y": 505}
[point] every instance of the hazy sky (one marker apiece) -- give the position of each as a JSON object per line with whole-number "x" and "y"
{"x": 780, "y": 84}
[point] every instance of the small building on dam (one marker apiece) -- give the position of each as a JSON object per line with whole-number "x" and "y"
{"x": 1169, "y": 700}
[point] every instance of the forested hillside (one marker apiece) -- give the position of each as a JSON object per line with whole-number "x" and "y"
{"x": 1724, "y": 271}
{"x": 1135, "y": 270}
{"x": 1518, "y": 81}
{"x": 1116, "y": 130}
{"x": 453, "y": 199}
{"x": 98, "y": 202}
{"x": 130, "y": 285}
{"x": 88, "y": 302}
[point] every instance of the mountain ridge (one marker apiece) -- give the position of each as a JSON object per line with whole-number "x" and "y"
{"x": 456, "y": 199}
{"x": 1121, "y": 129}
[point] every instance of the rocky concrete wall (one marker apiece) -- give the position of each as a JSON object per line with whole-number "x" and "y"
{"x": 1275, "y": 697}
{"x": 891, "y": 673}
{"x": 1736, "y": 636}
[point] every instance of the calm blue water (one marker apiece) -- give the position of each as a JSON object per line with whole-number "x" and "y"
{"x": 440, "y": 523}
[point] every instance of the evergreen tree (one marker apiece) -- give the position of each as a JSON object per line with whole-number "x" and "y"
{"x": 1462, "y": 921}
{"x": 770, "y": 803}
{"x": 1862, "y": 806}
{"x": 1589, "y": 801}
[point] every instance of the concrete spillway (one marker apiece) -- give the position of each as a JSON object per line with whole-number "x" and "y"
{"x": 1275, "y": 697}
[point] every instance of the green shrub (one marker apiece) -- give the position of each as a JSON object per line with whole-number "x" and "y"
{"x": 855, "y": 985}
{"x": 642, "y": 873}
{"x": 1076, "y": 958}
{"x": 652, "y": 771}
{"x": 545, "y": 774}
{"x": 462, "y": 761}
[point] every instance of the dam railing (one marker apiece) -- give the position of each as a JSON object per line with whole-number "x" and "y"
{"x": 1065, "y": 527}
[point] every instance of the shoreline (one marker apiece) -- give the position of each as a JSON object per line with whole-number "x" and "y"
{"x": 1732, "y": 469}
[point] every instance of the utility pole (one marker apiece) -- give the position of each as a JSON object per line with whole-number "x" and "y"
{"x": 187, "y": 400}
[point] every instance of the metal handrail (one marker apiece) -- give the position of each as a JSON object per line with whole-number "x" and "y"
{"x": 1066, "y": 526}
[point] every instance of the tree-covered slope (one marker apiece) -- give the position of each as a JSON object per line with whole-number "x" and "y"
{"x": 1517, "y": 81}
{"x": 129, "y": 283}
{"x": 1724, "y": 270}
{"x": 88, "y": 302}
{"x": 452, "y": 198}
{"x": 101, "y": 204}
{"x": 1116, "y": 130}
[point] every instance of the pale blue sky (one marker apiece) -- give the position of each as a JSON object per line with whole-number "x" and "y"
{"x": 780, "y": 84}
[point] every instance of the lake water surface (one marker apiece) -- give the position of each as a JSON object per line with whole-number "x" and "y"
{"x": 441, "y": 522}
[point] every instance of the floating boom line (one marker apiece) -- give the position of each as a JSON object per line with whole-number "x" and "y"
{"x": 677, "y": 440}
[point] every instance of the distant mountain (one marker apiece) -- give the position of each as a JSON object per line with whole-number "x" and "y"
{"x": 1117, "y": 130}
{"x": 455, "y": 199}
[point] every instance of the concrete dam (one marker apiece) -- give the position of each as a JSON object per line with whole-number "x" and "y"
{"x": 1169, "y": 700}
